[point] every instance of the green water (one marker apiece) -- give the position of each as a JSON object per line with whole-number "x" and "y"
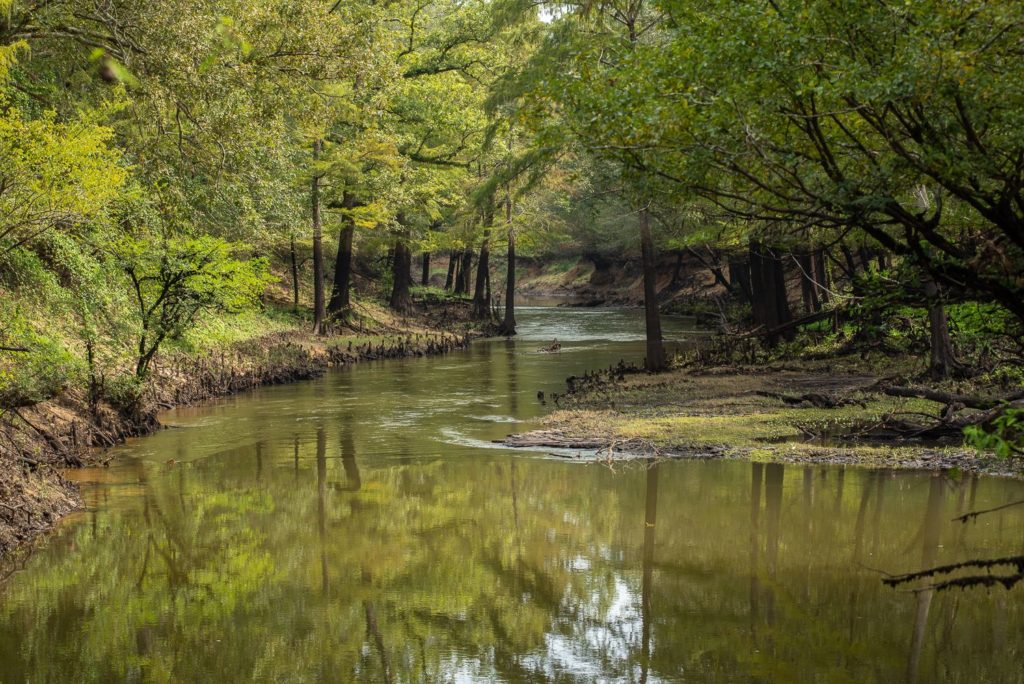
{"x": 363, "y": 528}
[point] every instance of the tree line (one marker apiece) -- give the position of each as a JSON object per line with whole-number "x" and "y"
{"x": 160, "y": 160}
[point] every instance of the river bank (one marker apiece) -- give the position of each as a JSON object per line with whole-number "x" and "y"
{"x": 833, "y": 412}
{"x": 68, "y": 431}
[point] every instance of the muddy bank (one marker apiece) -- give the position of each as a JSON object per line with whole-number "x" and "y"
{"x": 827, "y": 413}
{"x": 36, "y": 442}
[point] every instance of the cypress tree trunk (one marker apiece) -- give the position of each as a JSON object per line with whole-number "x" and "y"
{"x": 508, "y": 324}
{"x": 319, "y": 313}
{"x": 768, "y": 287}
{"x": 295, "y": 277}
{"x": 401, "y": 271}
{"x": 739, "y": 277}
{"x": 481, "y": 305}
{"x": 778, "y": 275}
{"x": 425, "y": 279}
{"x": 808, "y": 286}
{"x": 449, "y": 280}
{"x": 820, "y": 273}
{"x": 760, "y": 305}
{"x": 340, "y": 293}
{"x": 655, "y": 361}
{"x": 943, "y": 363}
{"x": 465, "y": 271}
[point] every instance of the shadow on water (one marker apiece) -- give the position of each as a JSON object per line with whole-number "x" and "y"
{"x": 332, "y": 530}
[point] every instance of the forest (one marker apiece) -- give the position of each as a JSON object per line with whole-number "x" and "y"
{"x": 199, "y": 198}
{"x": 511, "y": 340}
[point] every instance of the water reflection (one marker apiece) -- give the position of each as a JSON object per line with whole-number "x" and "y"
{"x": 508, "y": 569}
{"x": 650, "y": 522}
{"x": 309, "y": 533}
{"x": 930, "y": 531}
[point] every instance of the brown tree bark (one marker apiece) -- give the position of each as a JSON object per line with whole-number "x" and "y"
{"x": 508, "y": 323}
{"x": 319, "y": 311}
{"x": 656, "y": 360}
{"x": 808, "y": 286}
{"x": 465, "y": 272}
{"x": 820, "y": 273}
{"x": 295, "y": 277}
{"x": 943, "y": 363}
{"x": 453, "y": 260}
{"x": 340, "y": 302}
{"x": 481, "y": 305}
{"x": 768, "y": 287}
{"x": 401, "y": 271}
{"x": 425, "y": 275}
{"x": 739, "y": 276}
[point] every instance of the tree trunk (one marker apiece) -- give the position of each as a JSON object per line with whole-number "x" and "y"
{"x": 508, "y": 324}
{"x": 449, "y": 281}
{"x": 768, "y": 287}
{"x": 943, "y": 363}
{"x": 340, "y": 302}
{"x": 319, "y": 312}
{"x": 808, "y": 286}
{"x": 481, "y": 305}
{"x": 465, "y": 271}
{"x": 656, "y": 361}
{"x": 760, "y": 304}
{"x": 401, "y": 271}
{"x": 295, "y": 277}
{"x": 739, "y": 277}
{"x": 425, "y": 275}
{"x": 820, "y": 273}
{"x": 677, "y": 270}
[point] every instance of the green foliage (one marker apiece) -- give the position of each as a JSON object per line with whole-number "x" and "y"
{"x": 33, "y": 366}
{"x": 55, "y": 175}
{"x": 123, "y": 392}
{"x": 1004, "y": 435}
{"x": 176, "y": 280}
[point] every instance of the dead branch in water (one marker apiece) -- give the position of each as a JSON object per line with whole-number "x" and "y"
{"x": 965, "y": 582}
{"x": 975, "y": 514}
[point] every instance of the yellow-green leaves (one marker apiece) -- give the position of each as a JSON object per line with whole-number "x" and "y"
{"x": 55, "y": 175}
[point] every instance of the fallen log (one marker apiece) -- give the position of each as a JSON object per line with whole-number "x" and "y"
{"x": 980, "y": 403}
{"x": 815, "y": 399}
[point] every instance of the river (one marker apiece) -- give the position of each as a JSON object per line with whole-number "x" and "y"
{"x": 363, "y": 527}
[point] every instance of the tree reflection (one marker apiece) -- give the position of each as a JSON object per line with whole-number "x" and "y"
{"x": 646, "y": 595}
{"x": 931, "y": 530}
{"x": 493, "y": 568}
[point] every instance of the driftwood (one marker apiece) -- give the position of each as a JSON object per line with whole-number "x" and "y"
{"x": 551, "y": 439}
